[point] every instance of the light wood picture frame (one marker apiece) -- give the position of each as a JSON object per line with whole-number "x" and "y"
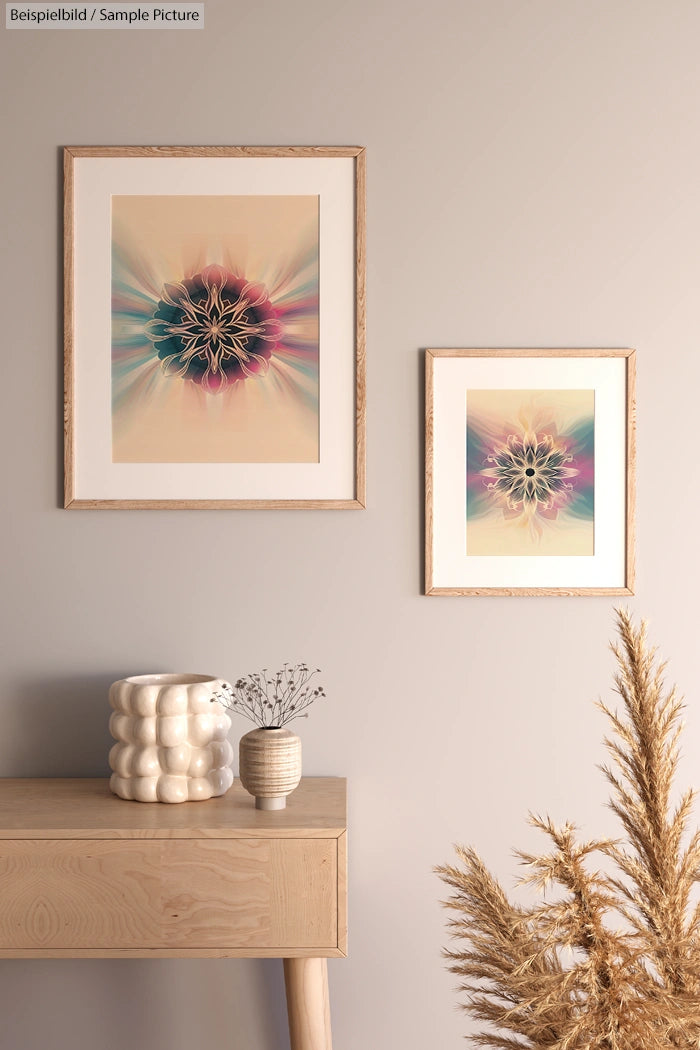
{"x": 214, "y": 327}
{"x": 530, "y": 471}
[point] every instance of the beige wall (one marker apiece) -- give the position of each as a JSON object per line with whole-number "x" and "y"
{"x": 534, "y": 180}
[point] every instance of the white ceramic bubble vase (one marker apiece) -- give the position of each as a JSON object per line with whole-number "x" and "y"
{"x": 171, "y": 739}
{"x": 269, "y": 765}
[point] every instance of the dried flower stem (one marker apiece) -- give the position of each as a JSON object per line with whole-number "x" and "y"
{"x": 561, "y": 974}
{"x": 272, "y": 702}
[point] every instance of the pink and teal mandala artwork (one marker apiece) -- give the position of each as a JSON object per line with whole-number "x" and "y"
{"x": 215, "y": 329}
{"x": 530, "y": 472}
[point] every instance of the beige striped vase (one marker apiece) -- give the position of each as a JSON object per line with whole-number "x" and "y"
{"x": 270, "y": 765}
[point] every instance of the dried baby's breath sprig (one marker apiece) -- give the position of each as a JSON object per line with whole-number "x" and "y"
{"x": 606, "y": 960}
{"x": 272, "y": 701}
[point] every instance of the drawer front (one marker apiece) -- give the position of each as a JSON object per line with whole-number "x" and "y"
{"x": 169, "y": 894}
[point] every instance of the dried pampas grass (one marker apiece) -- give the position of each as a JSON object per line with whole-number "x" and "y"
{"x": 612, "y": 960}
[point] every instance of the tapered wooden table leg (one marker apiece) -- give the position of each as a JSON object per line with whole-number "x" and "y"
{"x": 308, "y": 1005}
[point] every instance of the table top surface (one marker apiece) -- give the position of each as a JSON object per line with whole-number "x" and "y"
{"x": 86, "y": 809}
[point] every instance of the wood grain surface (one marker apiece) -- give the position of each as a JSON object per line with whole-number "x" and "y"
{"x": 83, "y": 873}
{"x": 85, "y": 808}
{"x": 169, "y": 894}
{"x": 308, "y": 1004}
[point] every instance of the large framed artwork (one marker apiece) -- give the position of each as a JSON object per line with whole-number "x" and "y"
{"x": 214, "y": 327}
{"x": 530, "y": 472}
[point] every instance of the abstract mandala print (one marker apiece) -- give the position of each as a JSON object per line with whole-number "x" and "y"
{"x": 530, "y": 474}
{"x": 215, "y": 329}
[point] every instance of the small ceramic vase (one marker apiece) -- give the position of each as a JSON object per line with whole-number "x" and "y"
{"x": 171, "y": 739}
{"x": 270, "y": 765}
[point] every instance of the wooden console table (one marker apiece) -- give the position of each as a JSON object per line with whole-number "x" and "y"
{"x": 85, "y": 874}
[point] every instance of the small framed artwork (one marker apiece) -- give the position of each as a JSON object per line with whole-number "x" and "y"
{"x": 530, "y": 472}
{"x": 214, "y": 327}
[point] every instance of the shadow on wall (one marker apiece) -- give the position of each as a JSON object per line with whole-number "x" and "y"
{"x": 173, "y": 1003}
{"x": 57, "y": 727}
